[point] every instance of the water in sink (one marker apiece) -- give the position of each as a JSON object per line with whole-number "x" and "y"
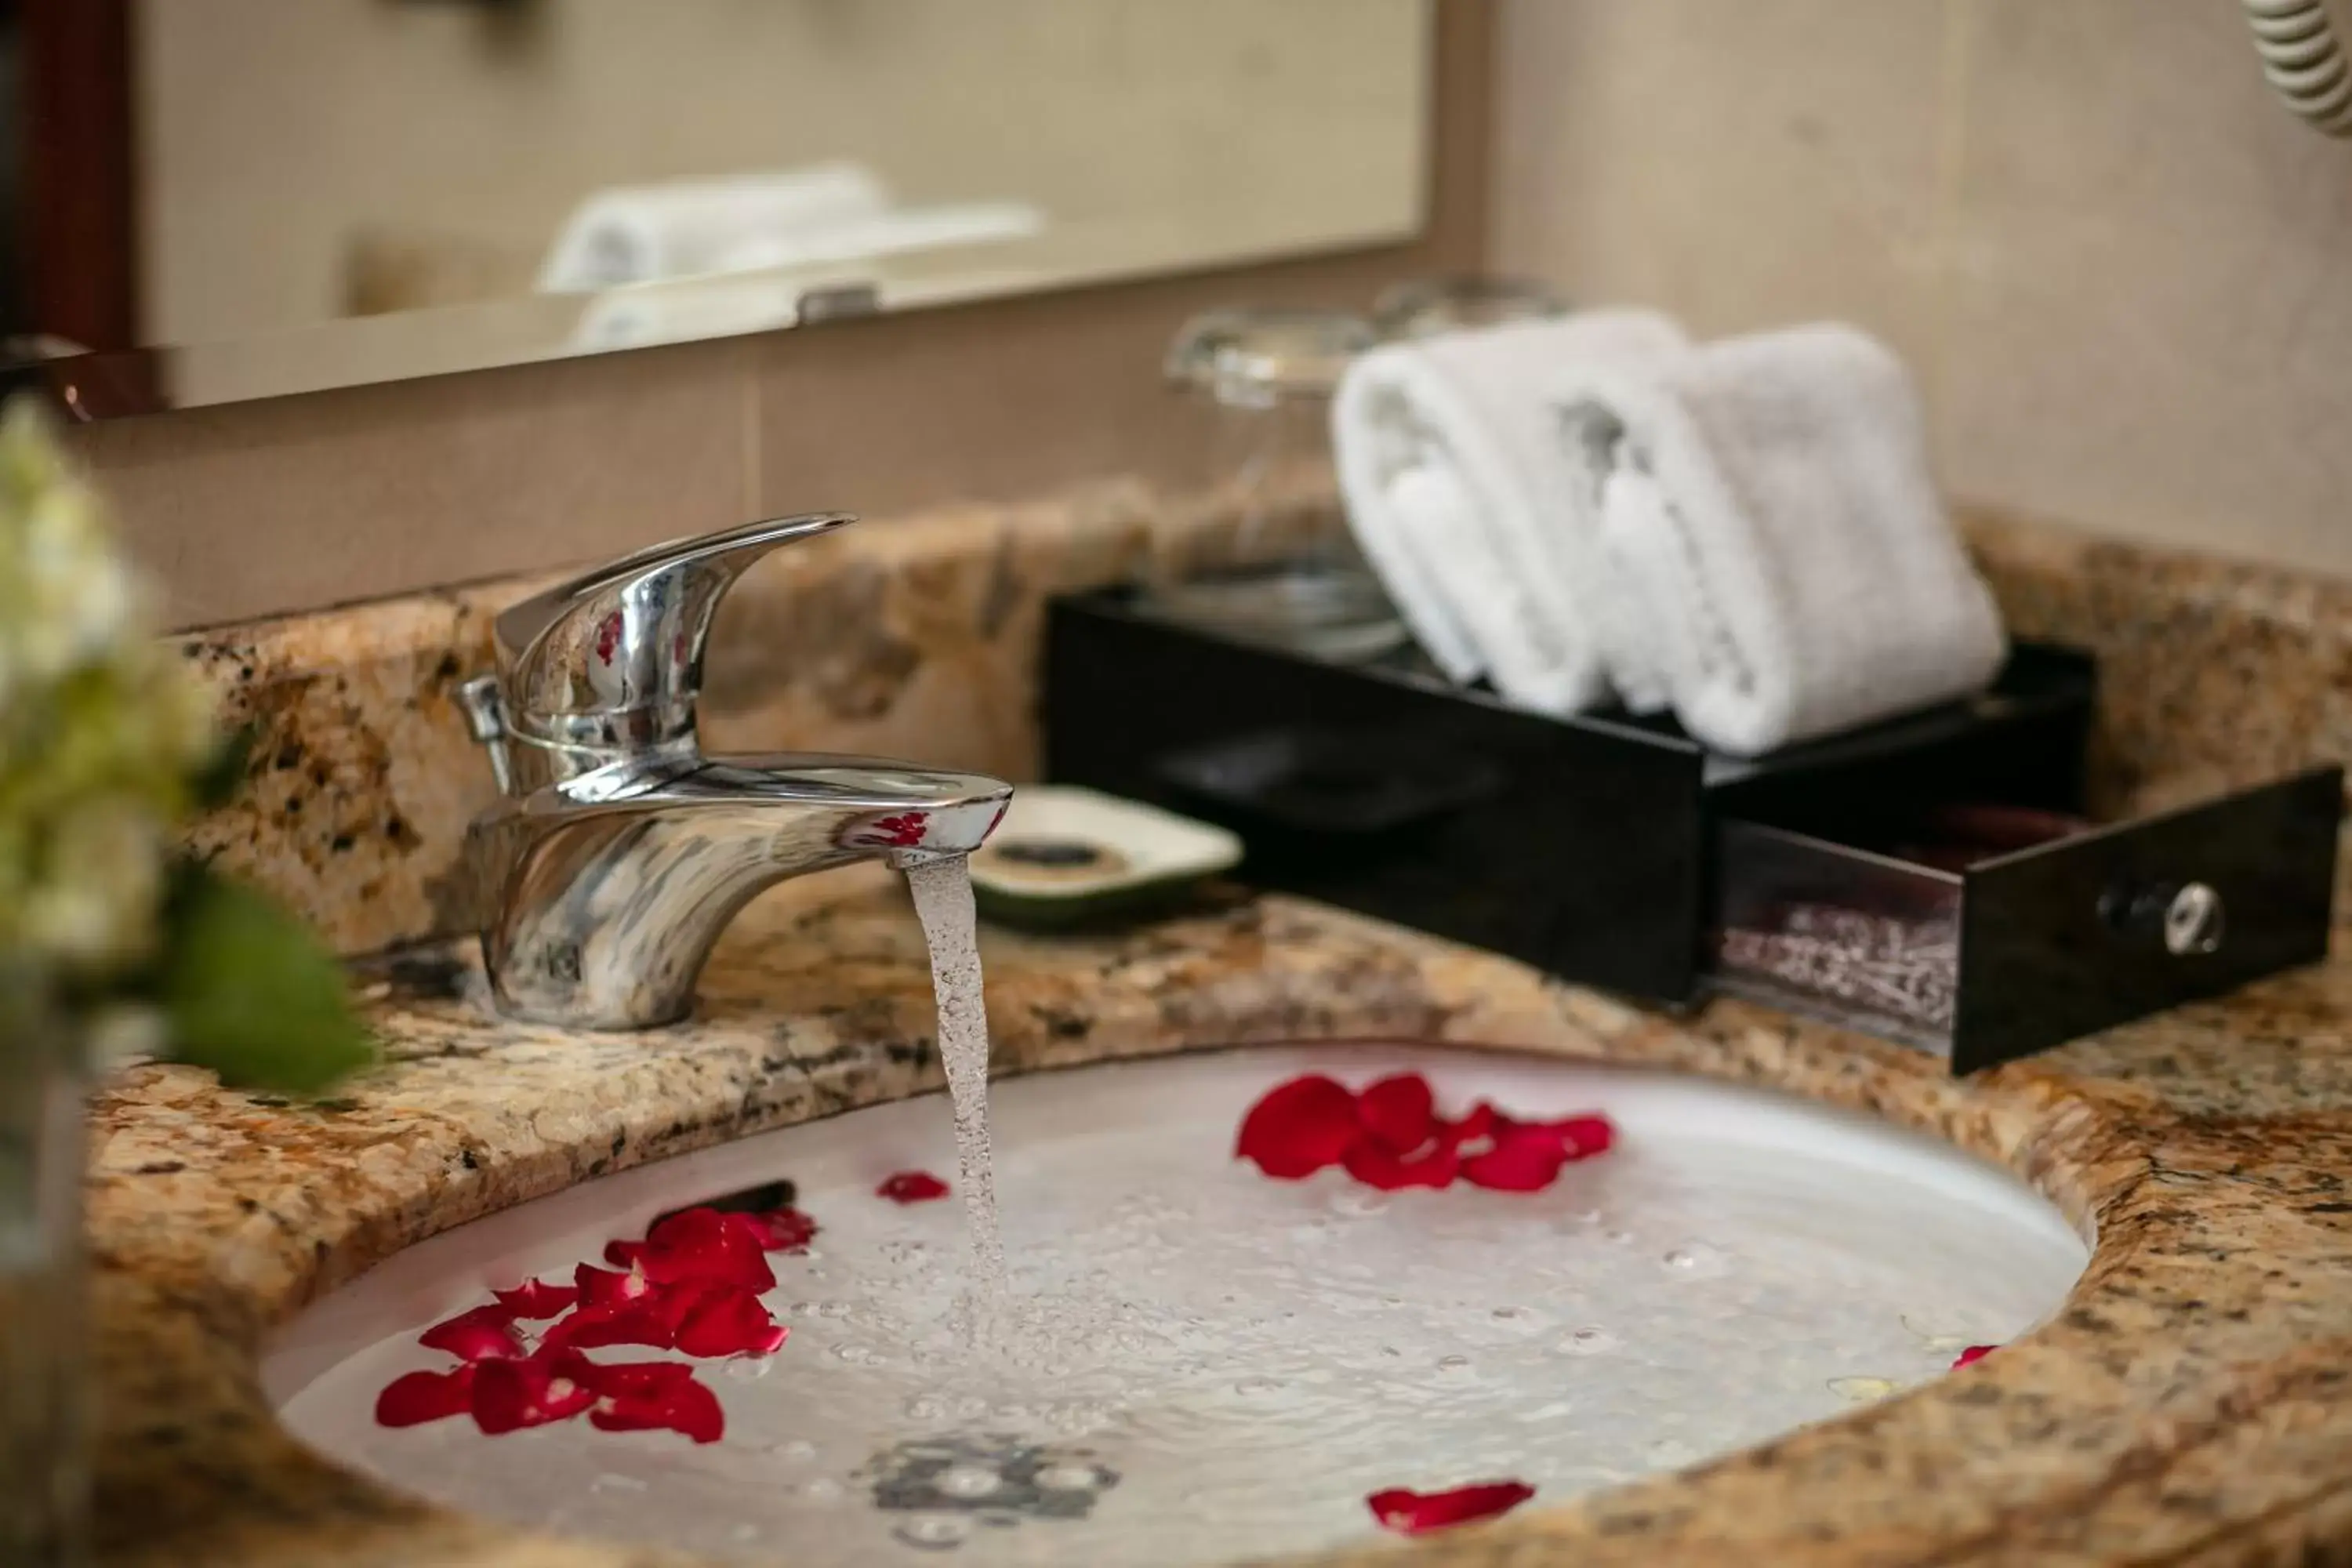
{"x": 1218, "y": 1366}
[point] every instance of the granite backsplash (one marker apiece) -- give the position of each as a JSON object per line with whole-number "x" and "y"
{"x": 919, "y": 637}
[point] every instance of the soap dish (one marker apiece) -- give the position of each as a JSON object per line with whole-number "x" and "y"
{"x": 1064, "y": 855}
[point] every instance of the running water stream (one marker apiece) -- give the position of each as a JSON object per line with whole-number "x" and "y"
{"x": 942, "y": 892}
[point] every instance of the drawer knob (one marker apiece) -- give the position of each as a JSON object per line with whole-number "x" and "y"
{"x": 2194, "y": 921}
{"x": 2188, "y": 917}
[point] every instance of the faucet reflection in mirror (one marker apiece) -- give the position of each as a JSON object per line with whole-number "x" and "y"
{"x": 620, "y": 850}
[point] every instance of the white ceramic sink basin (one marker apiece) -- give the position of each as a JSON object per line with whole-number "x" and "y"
{"x": 1226, "y": 1365}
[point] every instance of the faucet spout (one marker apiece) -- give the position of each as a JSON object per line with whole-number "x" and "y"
{"x": 619, "y": 851}
{"x": 605, "y": 900}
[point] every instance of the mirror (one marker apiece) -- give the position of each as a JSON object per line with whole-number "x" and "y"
{"x": 228, "y": 199}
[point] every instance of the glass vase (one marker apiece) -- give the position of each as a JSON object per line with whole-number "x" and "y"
{"x": 43, "y": 1389}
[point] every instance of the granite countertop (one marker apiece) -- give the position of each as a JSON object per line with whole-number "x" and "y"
{"x": 2192, "y": 1403}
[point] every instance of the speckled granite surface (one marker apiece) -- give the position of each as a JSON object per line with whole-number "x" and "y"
{"x": 912, "y": 636}
{"x": 2193, "y": 1404}
{"x": 917, "y": 636}
{"x": 2214, "y": 675}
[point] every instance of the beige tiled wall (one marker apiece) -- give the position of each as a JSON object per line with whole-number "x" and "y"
{"x": 253, "y": 508}
{"x": 2124, "y": 273}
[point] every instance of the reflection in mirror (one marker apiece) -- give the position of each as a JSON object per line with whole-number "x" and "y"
{"x": 316, "y": 193}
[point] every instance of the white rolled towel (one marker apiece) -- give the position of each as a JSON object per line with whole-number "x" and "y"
{"x": 638, "y": 234}
{"x": 759, "y": 285}
{"x": 875, "y": 236}
{"x": 645, "y": 314}
{"x": 1478, "y": 509}
{"x": 1771, "y": 518}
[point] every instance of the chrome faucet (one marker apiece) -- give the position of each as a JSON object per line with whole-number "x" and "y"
{"x": 620, "y": 851}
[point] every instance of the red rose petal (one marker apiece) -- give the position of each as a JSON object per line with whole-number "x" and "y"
{"x": 626, "y": 1255}
{"x": 1390, "y": 1137}
{"x": 728, "y": 1322}
{"x": 912, "y": 1187}
{"x": 651, "y": 1319}
{"x": 782, "y": 1230}
{"x": 689, "y": 1230}
{"x": 628, "y": 1378}
{"x": 612, "y": 1323}
{"x": 1523, "y": 1160}
{"x": 705, "y": 1246}
{"x": 1377, "y": 1167}
{"x": 1580, "y": 1136}
{"x": 472, "y": 1341}
{"x": 678, "y": 1303}
{"x": 603, "y": 1288}
{"x": 422, "y": 1396}
{"x": 1587, "y": 1135}
{"x": 1972, "y": 1355}
{"x": 1298, "y": 1127}
{"x": 511, "y": 1394}
{"x": 1477, "y": 1127}
{"x": 1399, "y": 1112}
{"x": 1414, "y": 1513}
{"x": 1527, "y": 1157}
{"x": 687, "y": 1407}
{"x": 538, "y": 1299}
{"x": 480, "y": 1333}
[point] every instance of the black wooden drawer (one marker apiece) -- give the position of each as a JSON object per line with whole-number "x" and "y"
{"x": 1616, "y": 852}
{"x": 2016, "y": 948}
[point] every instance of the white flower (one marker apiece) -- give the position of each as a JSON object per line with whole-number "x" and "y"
{"x": 80, "y": 599}
{"x": 30, "y": 461}
{"x": 186, "y": 711}
{"x": 101, "y": 728}
{"x": 92, "y": 902}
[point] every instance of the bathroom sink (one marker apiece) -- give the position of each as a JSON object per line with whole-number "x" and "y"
{"x": 1212, "y": 1366}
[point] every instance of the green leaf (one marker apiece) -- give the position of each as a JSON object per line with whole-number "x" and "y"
{"x": 223, "y": 778}
{"x": 252, "y": 994}
{"x": 187, "y": 888}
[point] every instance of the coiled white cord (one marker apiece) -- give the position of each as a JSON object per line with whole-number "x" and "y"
{"x": 2304, "y": 60}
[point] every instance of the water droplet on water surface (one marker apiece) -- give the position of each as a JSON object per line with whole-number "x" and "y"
{"x": 1699, "y": 1260}
{"x": 1069, "y": 1478}
{"x": 968, "y": 1480}
{"x": 935, "y": 1533}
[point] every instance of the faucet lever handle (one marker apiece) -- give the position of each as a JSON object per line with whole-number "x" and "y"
{"x": 611, "y": 661}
